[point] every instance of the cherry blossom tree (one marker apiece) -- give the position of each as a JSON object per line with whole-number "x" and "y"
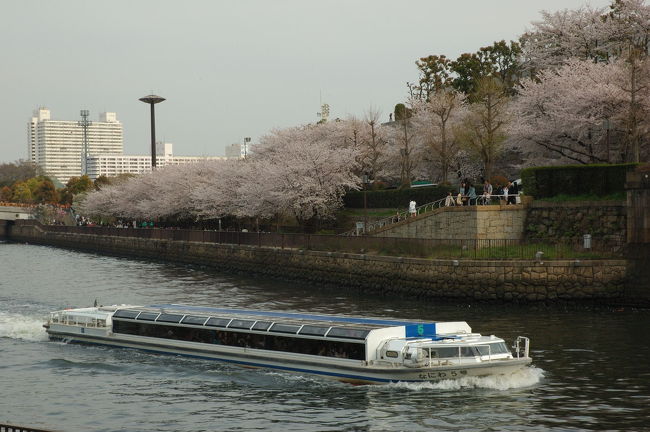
{"x": 309, "y": 169}
{"x": 562, "y": 35}
{"x": 627, "y": 24}
{"x": 569, "y": 112}
{"x": 303, "y": 171}
{"x": 586, "y": 33}
{"x": 106, "y": 202}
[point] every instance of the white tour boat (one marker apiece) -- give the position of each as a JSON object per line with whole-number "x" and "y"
{"x": 357, "y": 350}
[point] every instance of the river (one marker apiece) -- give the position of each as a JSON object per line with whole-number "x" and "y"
{"x": 591, "y": 367}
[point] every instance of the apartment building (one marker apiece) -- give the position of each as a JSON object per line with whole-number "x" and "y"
{"x": 57, "y": 146}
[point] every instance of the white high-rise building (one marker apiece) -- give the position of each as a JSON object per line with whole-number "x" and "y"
{"x": 238, "y": 150}
{"x": 57, "y": 145}
{"x": 111, "y": 165}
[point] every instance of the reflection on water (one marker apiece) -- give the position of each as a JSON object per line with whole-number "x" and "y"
{"x": 590, "y": 366}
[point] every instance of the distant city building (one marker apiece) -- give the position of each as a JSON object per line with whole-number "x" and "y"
{"x": 236, "y": 151}
{"x": 111, "y": 165}
{"x": 57, "y": 145}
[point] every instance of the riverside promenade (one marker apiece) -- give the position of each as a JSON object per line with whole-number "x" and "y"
{"x": 502, "y": 269}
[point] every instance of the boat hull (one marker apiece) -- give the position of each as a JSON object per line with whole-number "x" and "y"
{"x": 352, "y": 371}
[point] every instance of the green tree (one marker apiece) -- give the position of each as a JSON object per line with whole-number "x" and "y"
{"x": 482, "y": 131}
{"x": 435, "y": 74}
{"x": 5, "y": 194}
{"x": 46, "y": 192}
{"x": 76, "y": 186}
{"x": 21, "y": 193}
{"x": 402, "y": 112}
{"x": 499, "y": 60}
{"x": 468, "y": 68}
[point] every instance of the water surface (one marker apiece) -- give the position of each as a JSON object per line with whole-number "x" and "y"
{"x": 590, "y": 372}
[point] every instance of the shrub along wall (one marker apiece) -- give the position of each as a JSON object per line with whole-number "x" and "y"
{"x": 599, "y": 179}
{"x": 394, "y": 198}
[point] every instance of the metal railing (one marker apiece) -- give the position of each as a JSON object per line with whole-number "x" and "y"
{"x": 537, "y": 249}
{"x": 398, "y": 217}
{"x": 522, "y": 347}
{"x": 448, "y": 201}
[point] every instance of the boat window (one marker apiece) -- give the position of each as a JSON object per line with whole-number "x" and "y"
{"x": 468, "y": 351}
{"x": 499, "y": 348}
{"x": 170, "y": 318}
{"x": 262, "y": 325}
{"x": 443, "y": 352}
{"x": 148, "y": 316}
{"x": 285, "y": 328}
{"x": 218, "y": 322}
{"x": 392, "y": 354}
{"x": 313, "y": 330}
{"x": 126, "y": 313}
{"x": 194, "y": 320}
{"x": 348, "y": 333}
{"x": 263, "y": 341}
{"x": 241, "y": 324}
{"x": 493, "y": 348}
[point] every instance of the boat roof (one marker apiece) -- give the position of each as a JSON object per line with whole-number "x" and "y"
{"x": 256, "y": 320}
{"x": 412, "y": 328}
{"x": 251, "y": 313}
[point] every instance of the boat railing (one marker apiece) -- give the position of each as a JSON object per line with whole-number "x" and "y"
{"x": 430, "y": 359}
{"x": 76, "y": 320}
{"x": 521, "y": 350}
{"x": 521, "y": 347}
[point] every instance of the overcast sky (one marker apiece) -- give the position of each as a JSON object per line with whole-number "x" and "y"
{"x": 229, "y": 69}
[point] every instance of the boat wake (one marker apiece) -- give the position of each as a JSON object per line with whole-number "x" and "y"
{"x": 526, "y": 377}
{"x": 16, "y": 326}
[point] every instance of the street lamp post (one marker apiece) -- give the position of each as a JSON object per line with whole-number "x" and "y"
{"x": 152, "y": 100}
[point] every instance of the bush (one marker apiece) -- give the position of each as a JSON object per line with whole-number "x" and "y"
{"x": 397, "y": 198}
{"x": 598, "y": 179}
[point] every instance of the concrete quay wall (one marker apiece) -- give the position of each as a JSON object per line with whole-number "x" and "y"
{"x": 493, "y": 222}
{"x": 526, "y": 281}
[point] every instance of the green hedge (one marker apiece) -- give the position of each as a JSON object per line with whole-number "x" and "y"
{"x": 598, "y": 179}
{"x": 397, "y": 198}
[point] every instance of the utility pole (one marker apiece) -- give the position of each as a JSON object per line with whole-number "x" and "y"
{"x": 84, "y": 123}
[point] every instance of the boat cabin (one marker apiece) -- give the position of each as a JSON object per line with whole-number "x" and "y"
{"x": 320, "y": 335}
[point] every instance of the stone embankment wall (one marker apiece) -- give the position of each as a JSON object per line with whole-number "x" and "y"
{"x": 4, "y": 229}
{"x": 490, "y": 222}
{"x": 600, "y": 280}
{"x": 561, "y": 221}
